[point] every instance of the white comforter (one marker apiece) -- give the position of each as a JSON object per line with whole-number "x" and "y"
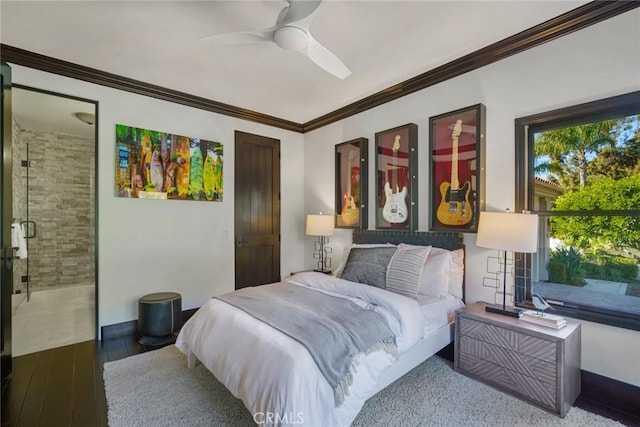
{"x": 274, "y": 375}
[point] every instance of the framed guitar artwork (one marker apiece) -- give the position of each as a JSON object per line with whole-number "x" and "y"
{"x": 396, "y": 178}
{"x": 456, "y": 156}
{"x": 351, "y": 183}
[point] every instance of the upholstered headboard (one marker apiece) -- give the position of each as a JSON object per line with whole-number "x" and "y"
{"x": 441, "y": 239}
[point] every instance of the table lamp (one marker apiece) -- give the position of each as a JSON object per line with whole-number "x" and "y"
{"x": 321, "y": 226}
{"x": 507, "y": 232}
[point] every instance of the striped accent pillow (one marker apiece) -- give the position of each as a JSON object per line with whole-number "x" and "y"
{"x": 405, "y": 269}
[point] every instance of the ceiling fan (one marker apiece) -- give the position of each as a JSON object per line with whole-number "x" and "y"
{"x": 291, "y": 32}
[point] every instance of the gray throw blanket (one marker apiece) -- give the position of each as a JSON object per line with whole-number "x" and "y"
{"x": 333, "y": 329}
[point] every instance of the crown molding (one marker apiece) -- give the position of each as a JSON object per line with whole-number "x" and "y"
{"x": 574, "y": 20}
{"x": 37, "y": 61}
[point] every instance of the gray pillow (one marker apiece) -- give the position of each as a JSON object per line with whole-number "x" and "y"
{"x": 368, "y": 266}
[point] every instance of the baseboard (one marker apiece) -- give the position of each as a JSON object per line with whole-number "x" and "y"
{"x": 119, "y": 330}
{"x": 610, "y": 393}
{"x": 129, "y": 328}
{"x": 186, "y": 314}
{"x": 447, "y": 352}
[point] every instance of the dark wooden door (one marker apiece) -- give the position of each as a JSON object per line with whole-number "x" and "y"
{"x": 257, "y": 210}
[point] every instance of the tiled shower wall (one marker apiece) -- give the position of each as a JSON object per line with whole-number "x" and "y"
{"x": 62, "y": 204}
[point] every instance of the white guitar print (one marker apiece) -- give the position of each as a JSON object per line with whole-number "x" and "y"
{"x": 395, "y": 206}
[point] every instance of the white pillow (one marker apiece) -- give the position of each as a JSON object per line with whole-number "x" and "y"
{"x": 446, "y": 274}
{"x": 455, "y": 276}
{"x": 435, "y": 275}
{"x": 345, "y": 254}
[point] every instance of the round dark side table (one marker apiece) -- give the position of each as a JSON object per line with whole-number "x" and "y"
{"x": 159, "y": 318}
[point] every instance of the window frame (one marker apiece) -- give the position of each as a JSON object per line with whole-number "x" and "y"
{"x": 525, "y": 128}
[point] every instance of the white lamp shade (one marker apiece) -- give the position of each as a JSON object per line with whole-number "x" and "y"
{"x": 320, "y": 225}
{"x": 513, "y": 232}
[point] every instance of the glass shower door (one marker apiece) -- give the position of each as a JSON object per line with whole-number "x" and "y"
{"x": 53, "y": 187}
{"x": 21, "y": 276}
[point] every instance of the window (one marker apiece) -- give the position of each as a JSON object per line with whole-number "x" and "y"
{"x": 578, "y": 168}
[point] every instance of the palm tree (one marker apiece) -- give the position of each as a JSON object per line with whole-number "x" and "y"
{"x": 567, "y": 151}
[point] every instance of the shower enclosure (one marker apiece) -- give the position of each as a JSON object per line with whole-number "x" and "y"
{"x": 54, "y": 172}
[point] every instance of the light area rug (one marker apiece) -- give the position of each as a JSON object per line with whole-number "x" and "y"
{"x": 157, "y": 389}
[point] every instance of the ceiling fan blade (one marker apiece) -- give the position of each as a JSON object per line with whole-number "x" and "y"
{"x": 241, "y": 37}
{"x": 283, "y": 13}
{"x": 325, "y": 59}
{"x": 300, "y": 12}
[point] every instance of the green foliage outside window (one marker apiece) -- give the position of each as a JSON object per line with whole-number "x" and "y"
{"x": 600, "y": 232}
{"x": 568, "y": 149}
{"x": 569, "y": 266}
{"x": 615, "y": 268}
{"x": 565, "y": 266}
{"x": 597, "y": 165}
{"x": 575, "y": 156}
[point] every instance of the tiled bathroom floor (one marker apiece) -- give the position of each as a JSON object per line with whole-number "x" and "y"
{"x": 52, "y": 318}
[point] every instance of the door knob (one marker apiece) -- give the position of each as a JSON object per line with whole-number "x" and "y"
{"x": 240, "y": 242}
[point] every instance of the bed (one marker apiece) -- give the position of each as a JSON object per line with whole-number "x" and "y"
{"x": 281, "y": 380}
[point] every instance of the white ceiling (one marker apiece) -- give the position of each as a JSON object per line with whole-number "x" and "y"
{"x": 382, "y": 42}
{"x": 40, "y": 111}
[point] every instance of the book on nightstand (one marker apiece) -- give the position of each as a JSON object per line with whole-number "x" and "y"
{"x": 548, "y": 320}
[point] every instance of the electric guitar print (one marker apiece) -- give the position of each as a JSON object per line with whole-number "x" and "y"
{"x": 395, "y": 206}
{"x": 350, "y": 213}
{"x": 454, "y": 208}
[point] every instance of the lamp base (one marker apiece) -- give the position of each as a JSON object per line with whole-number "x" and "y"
{"x": 323, "y": 271}
{"x": 505, "y": 311}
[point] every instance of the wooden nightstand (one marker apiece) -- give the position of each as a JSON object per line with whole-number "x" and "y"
{"x": 534, "y": 363}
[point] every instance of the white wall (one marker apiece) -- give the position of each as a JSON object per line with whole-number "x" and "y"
{"x": 594, "y": 63}
{"x": 147, "y": 246}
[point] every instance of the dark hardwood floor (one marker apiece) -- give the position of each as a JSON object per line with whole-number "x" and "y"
{"x": 64, "y": 386}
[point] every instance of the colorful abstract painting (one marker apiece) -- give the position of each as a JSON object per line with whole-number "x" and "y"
{"x": 158, "y": 165}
